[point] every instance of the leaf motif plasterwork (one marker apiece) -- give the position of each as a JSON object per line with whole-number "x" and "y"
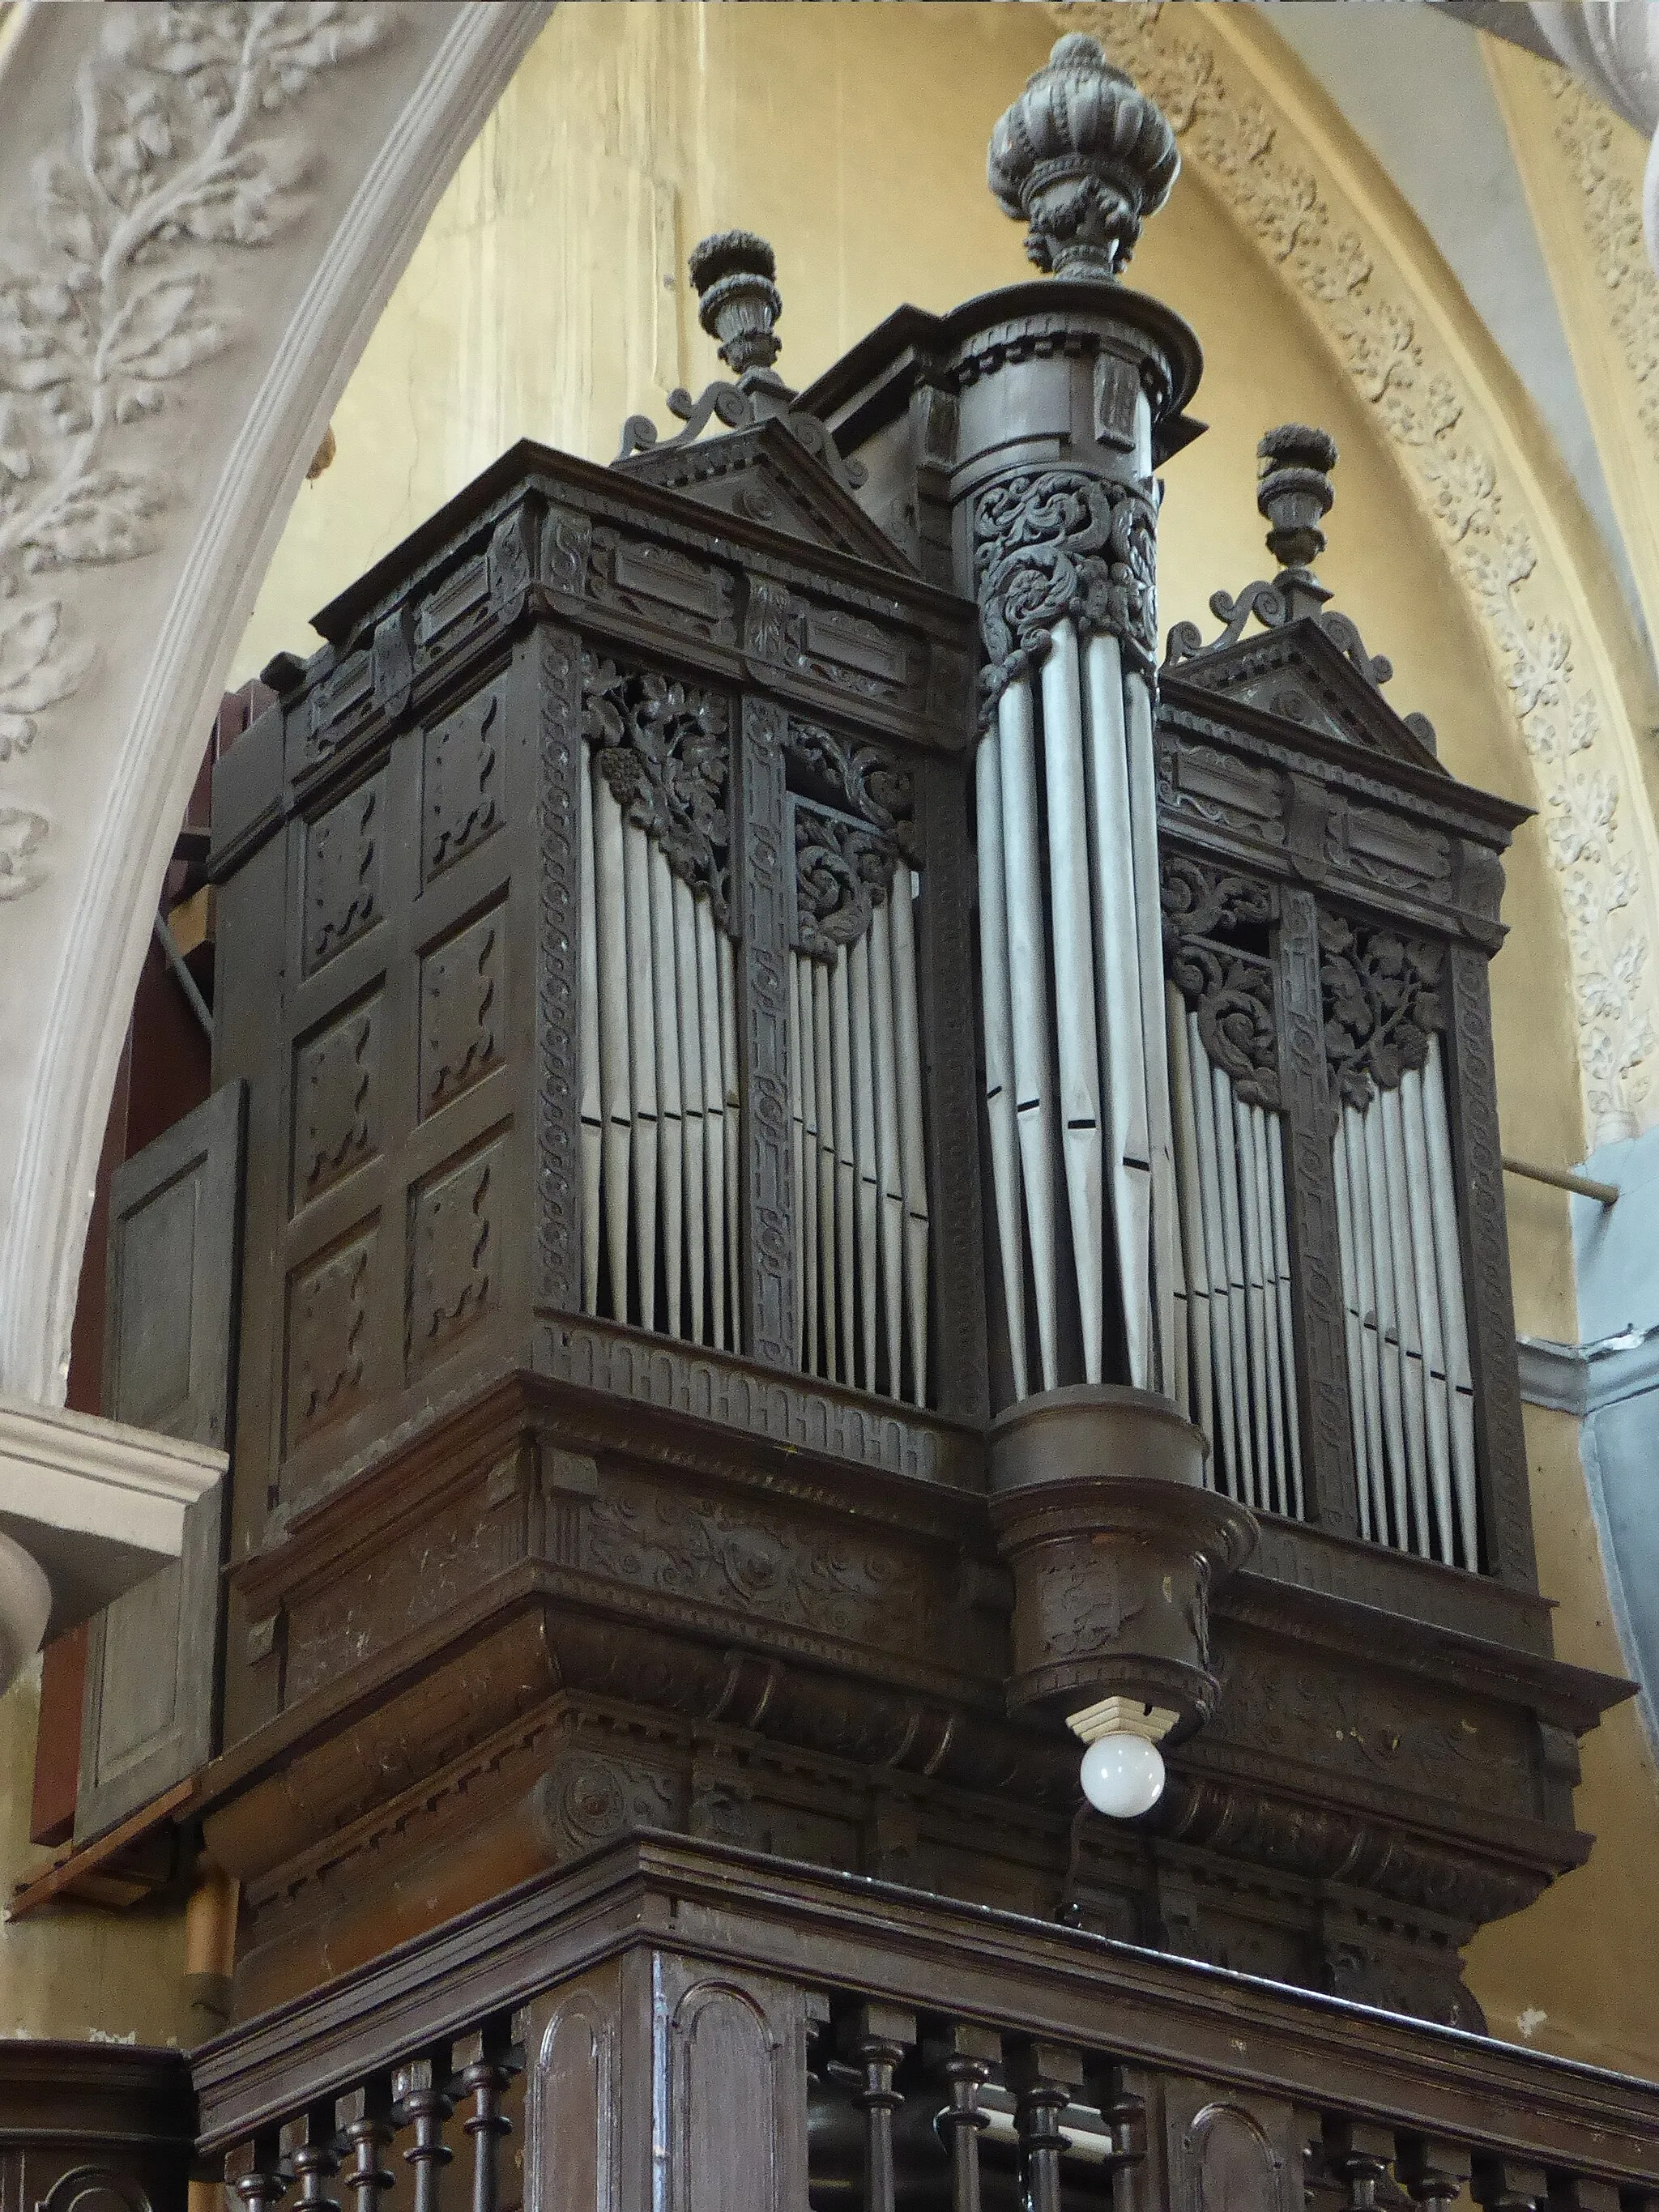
{"x": 1613, "y": 224}
{"x": 1248, "y": 156}
{"x": 108, "y": 298}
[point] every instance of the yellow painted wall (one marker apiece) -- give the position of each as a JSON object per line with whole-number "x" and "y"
{"x": 74, "y": 1969}
{"x": 548, "y": 298}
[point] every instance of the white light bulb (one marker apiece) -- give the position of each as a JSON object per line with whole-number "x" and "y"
{"x": 1122, "y": 1775}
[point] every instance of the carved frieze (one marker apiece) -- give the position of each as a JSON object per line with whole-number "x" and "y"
{"x": 1230, "y": 988}
{"x": 1381, "y": 1000}
{"x": 846, "y": 851}
{"x": 833, "y": 645}
{"x": 662, "y": 585}
{"x": 664, "y": 747}
{"x": 1063, "y": 546}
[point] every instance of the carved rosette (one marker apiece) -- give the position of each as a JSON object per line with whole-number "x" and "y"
{"x": 664, "y": 748}
{"x": 1061, "y": 545}
{"x": 1230, "y": 991}
{"x": 853, "y": 826}
{"x": 1381, "y": 992}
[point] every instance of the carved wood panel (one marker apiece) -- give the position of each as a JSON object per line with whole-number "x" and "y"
{"x": 767, "y": 896}
{"x": 731, "y": 2069}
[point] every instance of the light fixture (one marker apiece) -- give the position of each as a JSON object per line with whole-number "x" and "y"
{"x": 1122, "y": 1770}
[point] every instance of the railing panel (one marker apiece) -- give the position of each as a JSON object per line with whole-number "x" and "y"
{"x": 706, "y": 2029}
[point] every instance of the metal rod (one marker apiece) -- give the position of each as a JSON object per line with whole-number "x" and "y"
{"x": 182, "y": 976}
{"x": 1256, "y": 1299}
{"x": 714, "y": 1111}
{"x": 891, "y": 1226}
{"x": 1605, "y": 1193}
{"x": 642, "y": 1052}
{"x": 825, "y": 1071}
{"x": 1226, "y": 1154}
{"x": 732, "y": 1132}
{"x": 1272, "y": 1350}
{"x": 1426, "y": 1284}
{"x": 590, "y": 923}
{"x": 1029, "y": 993}
{"x": 1275, "y": 1134}
{"x": 1070, "y": 934}
{"x": 913, "y": 1150}
{"x": 1149, "y": 942}
{"x": 864, "y": 1154}
{"x": 1215, "y": 1246}
{"x": 1117, "y": 980}
{"x": 671, "y": 1131}
{"x": 691, "y": 1102}
{"x": 999, "y": 1058}
{"x": 1201, "y": 1380}
{"x": 809, "y": 1099}
{"x": 1442, "y": 1190}
{"x": 1392, "y": 1361}
{"x": 1379, "y": 1344}
{"x": 616, "y": 1067}
{"x": 798, "y": 1141}
{"x": 846, "y": 1173}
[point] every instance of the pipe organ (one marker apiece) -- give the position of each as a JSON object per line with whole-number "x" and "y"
{"x": 850, "y": 1162}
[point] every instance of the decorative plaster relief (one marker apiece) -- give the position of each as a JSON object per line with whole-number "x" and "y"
{"x": 107, "y": 299}
{"x": 1248, "y": 153}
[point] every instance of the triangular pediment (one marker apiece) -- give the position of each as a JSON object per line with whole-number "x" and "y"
{"x": 1299, "y": 673}
{"x": 767, "y": 474}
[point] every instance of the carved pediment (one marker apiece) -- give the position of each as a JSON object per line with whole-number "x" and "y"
{"x": 767, "y": 474}
{"x": 1301, "y": 673}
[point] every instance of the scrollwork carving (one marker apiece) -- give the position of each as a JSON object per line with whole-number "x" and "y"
{"x": 664, "y": 748}
{"x": 846, "y": 848}
{"x": 1381, "y": 1003}
{"x": 1230, "y": 990}
{"x": 1058, "y": 546}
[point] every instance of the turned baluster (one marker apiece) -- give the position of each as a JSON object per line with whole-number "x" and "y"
{"x": 1434, "y": 2171}
{"x": 311, "y": 2153}
{"x": 1047, "y": 2076}
{"x": 485, "y": 2063}
{"x": 363, "y": 2119}
{"x": 253, "y": 2173}
{"x": 875, "y": 2039}
{"x": 1358, "y": 2157}
{"x": 965, "y": 2055}
{"x": 424, "y": 2105}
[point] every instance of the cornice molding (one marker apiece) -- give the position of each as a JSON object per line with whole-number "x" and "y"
{"x": 1319, "y": 210}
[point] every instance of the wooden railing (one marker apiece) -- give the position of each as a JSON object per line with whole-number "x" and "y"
{"x": 94, "y": 2127}
{"x": 682, "y": 2025}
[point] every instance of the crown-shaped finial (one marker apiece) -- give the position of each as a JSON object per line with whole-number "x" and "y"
{"x": 1294, "y": 493}
{"x": 739, "y": 302}
{"x": 1084, "y": 158}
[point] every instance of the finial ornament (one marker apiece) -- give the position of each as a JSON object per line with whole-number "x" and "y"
{"x": 1084, "y": 158}
{"x": 734, "y": 273}
{"x": 1294, "y": 493}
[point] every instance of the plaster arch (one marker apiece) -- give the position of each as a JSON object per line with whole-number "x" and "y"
{"x": 396, "y": 115}
{"x": 207, "y": 209}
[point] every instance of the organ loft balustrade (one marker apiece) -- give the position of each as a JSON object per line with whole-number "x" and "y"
{"x": 860, "y": 1177}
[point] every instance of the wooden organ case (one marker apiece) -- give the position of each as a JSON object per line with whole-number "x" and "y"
{"x": 668, "y": 1331}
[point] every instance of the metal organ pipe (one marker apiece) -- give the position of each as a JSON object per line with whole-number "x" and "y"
{"x": 1403, "y": 1283}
